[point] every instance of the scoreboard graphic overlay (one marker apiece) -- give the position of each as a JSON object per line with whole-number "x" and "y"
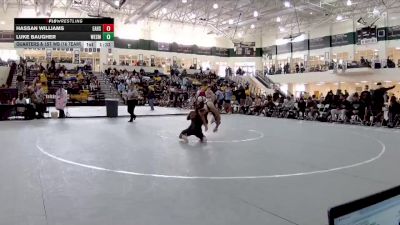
{"x": 64, "y": 33}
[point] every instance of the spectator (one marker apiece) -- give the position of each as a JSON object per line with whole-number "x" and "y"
{"x": 121, "y": 87}
{"x": 258, "y": 106}
{"x": 21, "y": 103}
{"x": 346, "y": 94}
{"x": 132, "y": 99}
{"x": 394, "y": 111}
{"x": 151, "y": 98}
{"x": 342, "y": 107}
{"x": 39, "y": 100}
{"x": 302, "y": 69}
{"x": 20, "y": 84}
{"x": 241, "y": 95}
{"x": 357, "y": 106}
{"x": 61, "y": 101}
{"x": 378, "y": 99}
{"x": 363, "y": 61}
{"x": 390, "y": 63}
{"x": 286, "y": 68}
{"x": 301, "y": 105}
{"x": 228, "y": 99}
{"x": 220, "y": 98}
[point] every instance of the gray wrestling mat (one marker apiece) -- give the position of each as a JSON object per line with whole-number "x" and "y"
{"x": 255, "y": 170}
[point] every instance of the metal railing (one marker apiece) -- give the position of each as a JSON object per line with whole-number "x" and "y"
{"x": 270, "y": 84}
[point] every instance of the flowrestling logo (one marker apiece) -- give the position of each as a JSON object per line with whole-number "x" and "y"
{"x": 70, "y": 20}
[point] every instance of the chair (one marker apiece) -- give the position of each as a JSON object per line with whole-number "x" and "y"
{"x": 20, "y": 110}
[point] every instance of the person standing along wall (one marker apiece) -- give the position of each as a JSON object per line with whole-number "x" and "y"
{"x": 61, "y": 101}
{"x": 132, "y": 99}
{"x": 39, "y": 99}
{"x": 151, "y": 97}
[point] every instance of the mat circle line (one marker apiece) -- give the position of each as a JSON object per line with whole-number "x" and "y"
{"x": 261, "y": 135}
{"x": 382, "y": 151}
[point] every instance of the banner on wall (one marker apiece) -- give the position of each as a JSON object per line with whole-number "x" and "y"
{"x": 343, "y": 39}
{"x": 163, "y": 46}
{"x": 245, "y": 51}
{"x": 300, "y": 46}
{"x": 321, "y": 42}
{"x": 220, "y": 51}
{"x": 185, "y": 49}
{"x": 239, "y": 51}
{"x": 202, "y": 51}
{"x": 367, "y": 35}
{"x": 244, "y": 44}
{"x": 393, "y": 33}
{"x": 269, "y": 51}
{"x": 282, "y": 49}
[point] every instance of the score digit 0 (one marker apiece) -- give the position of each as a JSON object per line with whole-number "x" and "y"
{"x": 108, "y": 27}
{"x": 108, "y": 36}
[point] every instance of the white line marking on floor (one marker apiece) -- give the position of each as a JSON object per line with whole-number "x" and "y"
{"x": 261, "y": 135}
{"x": 383, "y": 150}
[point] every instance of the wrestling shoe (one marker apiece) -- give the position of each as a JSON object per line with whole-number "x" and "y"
{"x": 215, "y": 129}
{"x": 184, "y": 138}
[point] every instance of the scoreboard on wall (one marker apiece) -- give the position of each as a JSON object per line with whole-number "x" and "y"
{"x": 366, "y": 35}
{"x": 64, "y": 33}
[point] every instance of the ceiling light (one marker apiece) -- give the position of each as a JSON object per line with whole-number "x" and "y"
{"x": 184, "y": 1}
{"x": 240, "y": 35}
{"x": 339, "y": 17}
{"x": 287, "y": 4}
{"x": 278, "y": 19}
{"x": 255, "y": 14}
{"x": 215, "y": 6}
{"x": 349, "y": 3}
{"x": 311, "y": 13}
{"x": 253, "y": 26}
{"x": 375, "y": 12}
{"x": 2, "y": 22}
{"x": 230, "y": 21}
{"x": 364, "y": 81}
{"x": 281, "y": 29}
{"x": 116, "y": 2}
{"x": 164, "y": 10}
{"x": 223, "y": 22}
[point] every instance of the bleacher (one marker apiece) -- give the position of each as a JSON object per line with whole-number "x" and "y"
{"x": 77, "y": 85}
